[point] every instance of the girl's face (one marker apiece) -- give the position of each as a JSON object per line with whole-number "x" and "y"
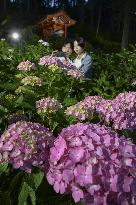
{"x": 68, "y": 49}
{"x": 78, "y": 49}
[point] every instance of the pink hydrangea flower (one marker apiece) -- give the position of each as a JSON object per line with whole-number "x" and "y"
{"x": 83, "y": 109}
{"x": 75, "y": 73}
{"x": 50, "y": 60}
{"x": 120, "y": 112}
{"x": 94, "y": 164}
{"x": 47, "y": 105}
{"x": 26, "y": 66}
{"x": 134, "y": 82}
{"x": 32, "y": 81}
{"x": 26, "y": 144}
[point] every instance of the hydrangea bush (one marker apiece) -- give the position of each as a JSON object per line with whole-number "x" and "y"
{"x": 94, "y": 164}
{"x": 26, "y": 144}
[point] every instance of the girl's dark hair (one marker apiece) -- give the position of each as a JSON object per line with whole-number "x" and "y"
{"x": 69, "y": 41}
{"x": 81, "y": 42}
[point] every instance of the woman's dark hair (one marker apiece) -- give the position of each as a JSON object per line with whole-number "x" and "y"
{"x": 81, "y": 42}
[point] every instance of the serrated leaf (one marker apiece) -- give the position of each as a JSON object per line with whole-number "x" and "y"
{"x": 25, "y": 192}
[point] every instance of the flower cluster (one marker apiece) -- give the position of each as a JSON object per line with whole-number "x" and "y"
{"x": 82, "y": 110}
{"x": 32, "y": 80}
{"x": 44, "y": 43}
{"x": 79, "y": 111}
{"x": 121, "y": 111}
{"x": 19, "y": 90}
{"x": 75, "y": 73}
{"x": 47, "y": 105}
{"x": 50, "y": 60}
{"x": 26, "y": 144}
{"x": 94, "y": 164}
{"x": 26, "y": 66}
{"x": 55, "y": 68}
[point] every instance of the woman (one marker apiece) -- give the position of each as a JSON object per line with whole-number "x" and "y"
{"x": 83, "y": 61}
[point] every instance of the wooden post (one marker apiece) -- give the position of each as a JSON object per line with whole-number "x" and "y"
{"x": 65, "y": 31}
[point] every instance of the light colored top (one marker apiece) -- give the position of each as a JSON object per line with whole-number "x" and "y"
{"x": 78, "y": 61}
{"x": 84, "y": 64}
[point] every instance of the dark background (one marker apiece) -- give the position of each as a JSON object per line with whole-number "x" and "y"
{"x": 106, "y": 20}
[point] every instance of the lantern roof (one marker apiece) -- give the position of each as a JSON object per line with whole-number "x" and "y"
{"x": 56, "y": 21}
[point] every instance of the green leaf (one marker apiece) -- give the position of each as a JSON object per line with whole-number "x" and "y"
{"x": 25, "y": 192}
{"x": 69, "y": 101}
{"x": 3, "y": 167}
{"x": 55, "y": 124}
{"x": 20, "y": 99}
{"x": 34, "y": 179}
{"x": 5, "y": 198}
{"x": 38, "y": 177}
{"x": 16, "y": 182}
{"x": 8, "y": 86}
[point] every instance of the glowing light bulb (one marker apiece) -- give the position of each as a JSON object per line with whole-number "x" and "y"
{"x": 15, "y": 35}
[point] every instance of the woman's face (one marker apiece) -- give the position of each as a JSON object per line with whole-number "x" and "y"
{"x": 78, "y": 49}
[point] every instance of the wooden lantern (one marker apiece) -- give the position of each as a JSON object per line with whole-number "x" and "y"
{"x": 59, "y": 21}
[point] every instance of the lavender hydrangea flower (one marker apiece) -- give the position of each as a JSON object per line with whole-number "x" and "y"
{"x": 26, "y": 144}
{"x": 32, "y": 80}
{"x": 47, "y": 105}
{"x": 26, "y": 66}
{"x": 93, "y": 163}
